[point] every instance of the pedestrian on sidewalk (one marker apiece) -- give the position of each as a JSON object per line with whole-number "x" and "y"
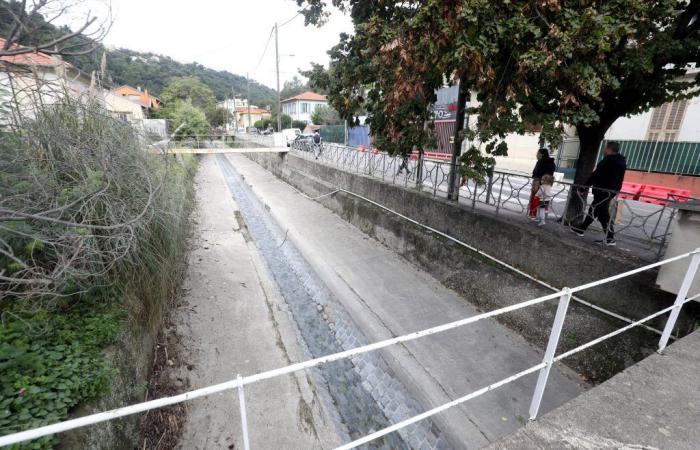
{"x": 545, "y": 166}
{"x": 544, "y": 196}
{"x": 404, "y": 165}
{"x": 317, "y": 144}
{"x": 606, "y": 181}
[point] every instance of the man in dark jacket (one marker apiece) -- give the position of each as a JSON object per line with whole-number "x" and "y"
{"x": 606, "y": 181}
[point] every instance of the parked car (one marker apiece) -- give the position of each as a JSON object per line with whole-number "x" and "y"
{"x": 303, "y": 141}
{"x": 290, "y": 134}
{"x": 252, "y": 130}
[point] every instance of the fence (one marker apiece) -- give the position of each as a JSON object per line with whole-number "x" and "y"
{"x": 550, "y": 357}
{"x": 642, "y": 220}
{"x": 333, "y": 133}
{"x": 359, "y": 135}
{"x": 680, "y": 158}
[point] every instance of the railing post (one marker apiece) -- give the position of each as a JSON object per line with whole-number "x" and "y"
{"x": 550, "y": 352}
{"x": 244, "y": 419}
{"x": 489, "y": 188}
{"x": 680, "y": 299}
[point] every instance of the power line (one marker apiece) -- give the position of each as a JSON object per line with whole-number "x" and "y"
{"x": 295, "y": 16}
{"x": 272, "y": 30}
{"x": 270, "y": 37}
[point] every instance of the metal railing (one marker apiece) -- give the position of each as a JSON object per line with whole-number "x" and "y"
{"x": 640, "y": 218}
{"x": 544, "y": 367}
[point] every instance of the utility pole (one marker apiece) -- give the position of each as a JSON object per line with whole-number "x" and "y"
{"x": 248, "y": 100}
{"x": 452, "y": 185}
{"x": 277, "y": 63}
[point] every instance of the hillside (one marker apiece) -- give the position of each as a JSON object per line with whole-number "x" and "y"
{"x": 153, "y": 72}
{"x": 147, "y": 70}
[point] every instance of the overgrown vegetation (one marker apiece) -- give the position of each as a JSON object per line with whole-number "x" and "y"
{"x": 92, "y": 232}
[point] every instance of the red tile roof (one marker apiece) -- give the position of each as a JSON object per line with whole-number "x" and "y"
{"x": 308, "y": 95}
{"x": 244, "y": 110}
{"x": 29, "y": 59}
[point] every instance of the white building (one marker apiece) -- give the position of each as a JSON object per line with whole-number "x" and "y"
{"x": 231, "y": 104}
{"x": 300, "y": 107}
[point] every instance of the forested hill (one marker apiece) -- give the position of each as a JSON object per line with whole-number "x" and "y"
{"x": 147, "y": 70}
{"x": 153, "y": 72}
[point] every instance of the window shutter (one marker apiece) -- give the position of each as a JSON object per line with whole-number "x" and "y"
{"x": 675, "y": 117}
{"x": 658, "y": 116}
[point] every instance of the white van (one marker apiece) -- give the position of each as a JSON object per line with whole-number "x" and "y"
{"x": 290, "y": 134}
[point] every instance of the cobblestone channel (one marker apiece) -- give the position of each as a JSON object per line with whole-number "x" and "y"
{"x": 364, "y": 393}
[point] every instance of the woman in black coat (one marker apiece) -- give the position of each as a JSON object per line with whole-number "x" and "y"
{"x": 545, "y": 166}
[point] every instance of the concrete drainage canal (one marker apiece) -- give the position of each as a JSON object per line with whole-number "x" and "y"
{"x": 362, "y": 393}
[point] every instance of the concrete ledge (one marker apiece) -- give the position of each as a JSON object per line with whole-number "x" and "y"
{"x": 654, "y": 404}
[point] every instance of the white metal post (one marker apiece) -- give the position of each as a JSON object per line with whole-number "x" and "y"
{"x": 550, "y": 352}
{"x": 244, "y": 419}
{"x": 680, "y": 299}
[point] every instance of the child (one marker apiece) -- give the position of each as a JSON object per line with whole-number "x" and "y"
{"x": 544, "y": 194}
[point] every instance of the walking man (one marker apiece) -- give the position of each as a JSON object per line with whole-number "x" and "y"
{"x": 404, "y": 166}
{"x": 317, "y": 143}
{"x": 606, "y": 181}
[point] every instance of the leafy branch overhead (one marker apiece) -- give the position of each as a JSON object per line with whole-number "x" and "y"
{"x": 547, "y": 62}
{"x": 26, "y": 31}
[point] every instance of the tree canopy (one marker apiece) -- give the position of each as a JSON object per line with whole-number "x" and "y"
{"x": 325, "y": 115}
{"x": 554, "y": 63}
{"x": 189, "y": 89}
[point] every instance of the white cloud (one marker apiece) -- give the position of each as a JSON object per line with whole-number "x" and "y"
{"x": 225, "y": 35}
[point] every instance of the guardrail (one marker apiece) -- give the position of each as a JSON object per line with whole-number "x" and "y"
{"x": 641, "y": 218}
{"x": 544, "y": 367}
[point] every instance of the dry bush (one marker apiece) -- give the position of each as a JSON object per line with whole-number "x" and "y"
{"x": 83, "y": 205}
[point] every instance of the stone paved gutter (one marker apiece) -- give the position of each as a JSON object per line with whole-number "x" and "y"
{"x": 364, "y": 391}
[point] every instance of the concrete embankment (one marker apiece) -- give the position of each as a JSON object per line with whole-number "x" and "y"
{"x": 560, "y": 262}
{"x": 379, "y": 295}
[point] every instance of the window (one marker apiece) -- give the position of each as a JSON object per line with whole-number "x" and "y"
{"x": 305, "y": 108}
{"x": 666, "y": 121}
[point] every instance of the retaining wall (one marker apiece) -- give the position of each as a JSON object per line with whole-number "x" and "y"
{"x": 560, "y": 262}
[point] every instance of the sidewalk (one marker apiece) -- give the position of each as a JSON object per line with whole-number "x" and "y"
{"x": 388, "y": 297}
{"x": 654, "y": 404}
{"x": 230, "y": 322}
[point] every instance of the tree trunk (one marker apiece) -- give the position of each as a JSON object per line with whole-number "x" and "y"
{"x": 452, "y": 186}
{"x": 590, "y": 139}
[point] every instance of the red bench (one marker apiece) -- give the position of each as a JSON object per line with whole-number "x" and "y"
{"x": 661, "y": 195}
{"x": 631, "y": 191}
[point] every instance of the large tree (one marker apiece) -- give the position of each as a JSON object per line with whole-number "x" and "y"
{"x": 550, "y": 62}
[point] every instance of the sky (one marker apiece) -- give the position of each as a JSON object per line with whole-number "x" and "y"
{"x": 223, "y": 34}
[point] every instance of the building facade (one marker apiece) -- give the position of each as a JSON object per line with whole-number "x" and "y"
{"x": 301, "y": 107}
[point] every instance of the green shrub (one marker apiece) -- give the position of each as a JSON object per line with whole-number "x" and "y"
{"x": 50, "y": 361}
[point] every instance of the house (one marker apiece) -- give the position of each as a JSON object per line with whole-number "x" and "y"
{"x": 31, "y": 79}
{"x": 142, "y": 97}
{"x": 37, "y": 78}
{"x": 122, "y": 107}
{"x": 230, "y": 104}
{"x": 246, "y": 117}
{"x": 300, "y": 107}
{"x": 677, "y": 121}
